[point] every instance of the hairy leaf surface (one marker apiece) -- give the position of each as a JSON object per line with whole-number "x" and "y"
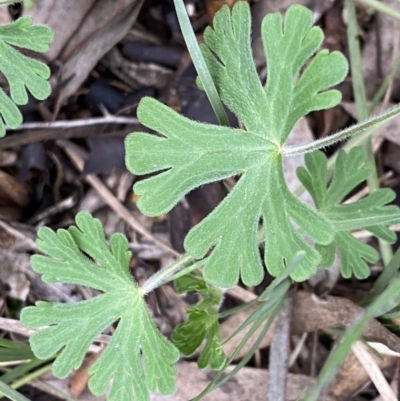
{"x": 22, "y": 72}
{"x": 202, "y": 323}
{"x": 371, "y": 213}
{"x": 138, "y": 358}
{"x": 189, "y": 154}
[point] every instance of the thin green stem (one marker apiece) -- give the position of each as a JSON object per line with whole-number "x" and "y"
{"x": 10, "y": 393}
{"x": 270, "y": 314}
{"x": 384, "y": 279}
{"x": 383, "y": 8}
{"x": 20, "y": 370}
{"x": 361, "y": 106}
{"x": 31, "y": 376}
{"x": 199, "y": 62}
{"x": 54, "y": 390}
{"x": 163, "y": 275}
{"x": 386, "y": 301}
{"x": 340, "y": 136}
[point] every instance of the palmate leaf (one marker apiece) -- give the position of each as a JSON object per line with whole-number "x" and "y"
{"x": 371, "y": 213}
{"x": 190, "y": 154}
{"x": 202, "y": 323}
{"x": 22, "y": 72}
{"x": 138, "y": 358}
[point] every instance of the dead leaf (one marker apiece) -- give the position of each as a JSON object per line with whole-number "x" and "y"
{"x": 352, "y": 377}
{"x": 309, "y": 314}
{"x": 247, "y": 384}
{"x": 64, "y": 17}
{"x": 137, "y": 74}
{"x": 13, "y": 265}
{"x": 14, "y": 197}
{"x": 373, "y": 370}
{"x": 84, "y": 31}
{"x": 81, "y": 377}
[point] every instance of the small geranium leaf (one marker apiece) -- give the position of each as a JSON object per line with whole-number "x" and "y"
{"x": 371, "y": 213}
{"x": 138, "y": 358}
{"x": 202, "y": 323}
{"x": 22, "y": 72}
{"x": 190, "y": 154}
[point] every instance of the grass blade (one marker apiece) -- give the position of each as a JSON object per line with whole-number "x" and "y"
{"x": 213, "y": 384}
{"x": 384, "y": 279}
{"x": 199, "y": 63}
{"x": 384, "y": 303}
{"x": 383, "y": 8}
{"x": 11, "y": 394}
{"x": 361, "y": 105}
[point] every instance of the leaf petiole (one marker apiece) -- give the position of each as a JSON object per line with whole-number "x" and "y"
{"x": 163, "y": 275}
{"x": 185, "y": 271}
{"x": 341, "y": 135}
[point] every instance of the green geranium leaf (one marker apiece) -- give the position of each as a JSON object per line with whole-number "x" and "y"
{"x": 138, "y": 358}
{"x": 190, "y": 154}
{"x": 202, "y": 323}
{"x": 371, "y": 213}
{"x": 22, "y": 72}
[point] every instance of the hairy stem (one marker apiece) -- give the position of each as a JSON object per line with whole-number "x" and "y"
{"x": 342, "y": 135}
{"x": 163, "y": 275}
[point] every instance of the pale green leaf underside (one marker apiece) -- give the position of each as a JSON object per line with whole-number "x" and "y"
{"x": 190, "y": 154}
{"x": 371, "y": 213}
{"x": 22, "y": 73}
{"x": 138, "y": 358}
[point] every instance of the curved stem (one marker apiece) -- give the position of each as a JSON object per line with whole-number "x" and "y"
{"x": 341, "y": 135}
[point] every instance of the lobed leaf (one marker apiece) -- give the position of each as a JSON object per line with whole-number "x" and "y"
{"x": 138, "y": 358}
{"x": 202, "y": 323}
{"x": 22, "y": 72}
{"x": 190, "y": 154}
{"x": 371, "y": 213}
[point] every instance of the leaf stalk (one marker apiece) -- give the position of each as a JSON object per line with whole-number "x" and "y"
{"x": 163, "y": 275}
{"x": 342, "y": 135}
